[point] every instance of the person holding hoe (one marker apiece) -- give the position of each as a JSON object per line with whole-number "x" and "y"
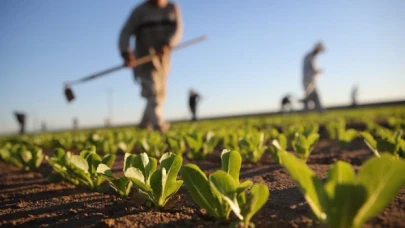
{"x": 21, "y": 121}
{"x": 157, "y": 26}
{"x": 193, "y": 99}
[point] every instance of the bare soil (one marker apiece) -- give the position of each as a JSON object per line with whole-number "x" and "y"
{"x": 29, "y": 199}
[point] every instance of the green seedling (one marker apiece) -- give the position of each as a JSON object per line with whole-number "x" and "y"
{"x": 222, "y": 193}
{"x": 347, "y": 200}
{"x": 303, "y": 145}
{"x": 337, "y": 131}
{"x": 346, "y": 136}
{"x": 27, "y": 157}
{"x": 231, "y": 140}
{"x": 303, "y": 129}
{"x": 60, "y": 162}
{"x": 391, "y": 143}
{"x": 121, "y": 185}
{"x": 152, "y": 144}
{"x": 83, "y": 167}
{"x": 156, "y": 185}
{"x": 176, "y": 144}
{"x": 199, "y": 145}
{"x": 278, "y": 143}
{"x": 252, "y": 146}
{"x": 126, "y": 146}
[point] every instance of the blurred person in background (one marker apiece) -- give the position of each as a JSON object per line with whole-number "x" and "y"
{"x": 286, "y": 104}
{"x": 193, "y": 99}
{"x": 21, "y": 121}
{"x": 43, "y": 126}
{"x": 310, "y": 74}
{"x": 354, "y": 95}
{"x": 157, "y": 27}
{"x": 75, "y": 123}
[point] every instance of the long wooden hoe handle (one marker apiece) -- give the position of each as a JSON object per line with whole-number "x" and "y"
{"x": 138, "y": 62}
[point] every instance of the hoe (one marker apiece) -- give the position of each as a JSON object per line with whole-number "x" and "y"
{"x": 69, "y": 92}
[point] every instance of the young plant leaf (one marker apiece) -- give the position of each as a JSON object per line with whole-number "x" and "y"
{"x": 244, "y": 186}
{"x": 80, "y": 163}
{"x": 383, "y": 178}
{"x": 158, "y": 185}
{"x": 309, "y": 184}
{"x": 370, "y": 142}
{"x": 172, "y": 163}
{"x": 231, "y": 163}
{"x": 225, "y": 186}
{"x": 93, "y": 160}
{"x": 136, "y": 176}
{"x": 197, "y": 183}
{"x": 108, "y": 160}
{"x": 256, "y": 200}
{"x": 345, "y": 196}
{"x": 224, "y": 183}
{"x": 105, "y": 170}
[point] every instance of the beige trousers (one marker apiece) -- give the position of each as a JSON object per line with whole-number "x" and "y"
{"x": 153, "y": 80}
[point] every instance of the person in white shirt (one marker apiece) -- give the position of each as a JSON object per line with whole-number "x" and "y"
{"x": 310, "y": 73}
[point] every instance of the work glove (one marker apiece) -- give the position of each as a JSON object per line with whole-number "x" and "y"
{"x": 129, "y": 58}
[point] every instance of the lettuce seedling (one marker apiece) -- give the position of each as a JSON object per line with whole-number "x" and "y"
{"x": 199, "y": 145}
{"x": 152, "y": 144}
{"x": 396, "y": 122}
{"x": 370, "y": 142}
{"x": 109, "y": 147}
{"x": 84, "y": 167}
{"x": 334, "y": 128}
{"x": 243, "y": 205}
{"x": 279, "y": 143}
{"x": 302, "y": 129}
{"x": 346, "y": 136}
{"x": 176, "y": 144}
{"x": 126, "y": 146}
{"x": 222, "y": 193}
{"x": 252, "y": 146}
{"x": 27, "y": 157}
{"x": 156, "y": 185}
{"x": 337, "y": 131}
{"x": 121, "y": 185}
{"x": 345, "y": 200}
{"x": 201, "y": 190}
{"x": 389, "y": 142}
{"x": 32, "y": 158}
{"x": 273, "y": 133}
{"x": 231, "y": 140}
{"x": 5, "y": 152}
{"x": 303, "y": 145}
{"x": 60, "y": 162}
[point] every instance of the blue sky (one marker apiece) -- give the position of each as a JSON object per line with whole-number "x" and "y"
{"x": 251, "y": 59}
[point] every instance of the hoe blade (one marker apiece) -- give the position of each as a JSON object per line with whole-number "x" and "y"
{"x": 69, "y": 94}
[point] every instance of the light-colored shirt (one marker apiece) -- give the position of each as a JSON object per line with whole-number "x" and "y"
{"x": 310, "y": 70}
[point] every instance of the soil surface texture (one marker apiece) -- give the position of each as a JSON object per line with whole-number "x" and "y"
{"x": 29, "y": 199}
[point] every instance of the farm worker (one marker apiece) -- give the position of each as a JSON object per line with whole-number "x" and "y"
{"x": 157, "y": 26}
{"x": 21, "y": 121}
{"x": 354, "y": 96}
{"x": 286, "y": 104}
{"x": 192, "y": 102}
{"x": 310, "y": 73}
